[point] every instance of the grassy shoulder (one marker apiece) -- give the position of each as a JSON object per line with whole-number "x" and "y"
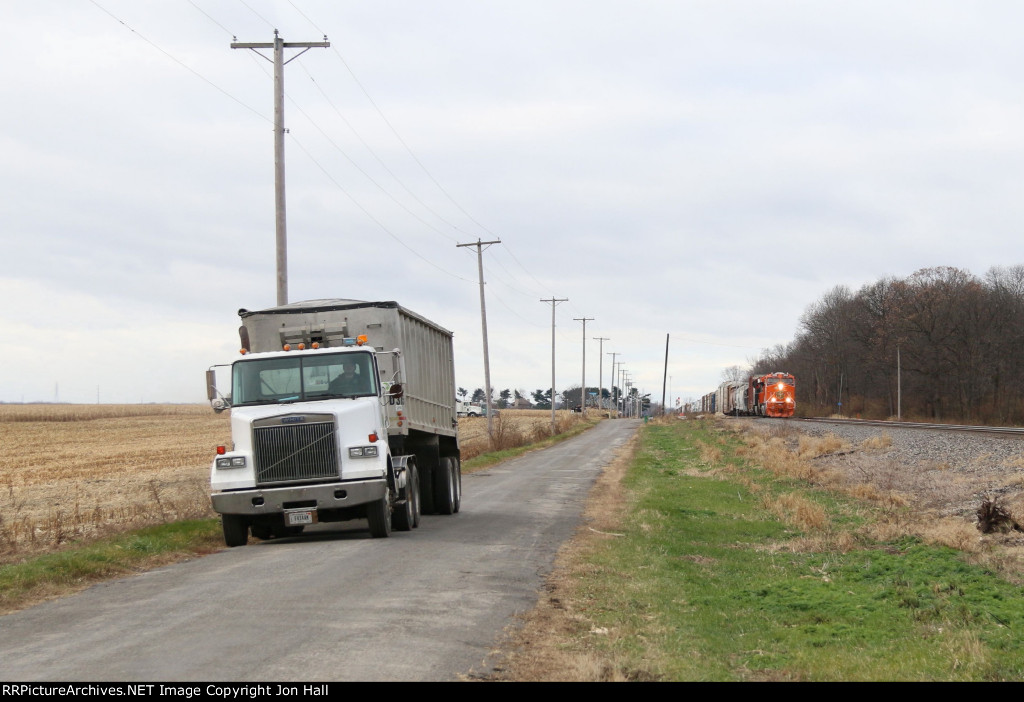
{"x": 738, "y": 572}
{"x": 80, "y": 565}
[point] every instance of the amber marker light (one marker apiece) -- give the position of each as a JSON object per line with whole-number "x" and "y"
{"x": 361, "y": 339}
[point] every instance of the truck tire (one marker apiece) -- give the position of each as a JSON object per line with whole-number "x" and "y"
{"x": 407, "y": 515}
{"x": 236, "y": 530}
{"x": 444, "y": 487}
{"x": 457, "y": 481}
{"x": 378, "y": 514}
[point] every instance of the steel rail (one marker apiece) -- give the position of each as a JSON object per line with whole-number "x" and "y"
{"x": 1013, "y": 432}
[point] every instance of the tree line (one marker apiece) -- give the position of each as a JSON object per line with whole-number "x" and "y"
{"x": 541, "y": 399}
{"x": 939, "y": 344}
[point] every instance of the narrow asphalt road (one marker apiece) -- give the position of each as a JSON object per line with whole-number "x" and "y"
{"x": 335, "y": 604}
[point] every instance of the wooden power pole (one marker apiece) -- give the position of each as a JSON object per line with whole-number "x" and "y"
{"x": 278, "y": 60}
{"x": 483, "y": 324}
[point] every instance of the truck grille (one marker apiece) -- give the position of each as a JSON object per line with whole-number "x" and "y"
{"x": 295, "y": 452}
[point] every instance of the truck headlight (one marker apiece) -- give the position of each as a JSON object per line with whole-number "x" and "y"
{"x": 231, "y": 462}
{"x": 362, "y": 452}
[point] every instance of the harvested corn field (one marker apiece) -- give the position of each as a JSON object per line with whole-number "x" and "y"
{"x": 75, "y": 471}
{"x": 81, "y": 470}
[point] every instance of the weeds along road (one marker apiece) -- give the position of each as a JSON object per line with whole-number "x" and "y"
{"x": 336, "y": 604}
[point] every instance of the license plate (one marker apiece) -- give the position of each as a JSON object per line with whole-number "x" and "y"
{"x": 300, "y": 518}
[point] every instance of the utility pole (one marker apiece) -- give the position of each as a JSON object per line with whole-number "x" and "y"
{"x": 664, "y": 375}
{"x": 279, "y": 131}
{"x": 483, "y": 324}
{"x": 554, "y": 301}
{"x": 600, "y": 369}
{"x": 583, "y": 380}
{"x": 614, "y": 380}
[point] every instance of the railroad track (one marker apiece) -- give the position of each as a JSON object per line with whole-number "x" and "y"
{"x": 1016, "y": 432}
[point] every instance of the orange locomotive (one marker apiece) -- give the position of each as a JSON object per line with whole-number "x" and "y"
{"x": 772, "y": 395}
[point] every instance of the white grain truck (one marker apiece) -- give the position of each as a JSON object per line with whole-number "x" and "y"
{"x": 340, "y": 409}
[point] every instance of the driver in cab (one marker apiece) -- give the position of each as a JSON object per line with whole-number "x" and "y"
{"x": 348, "y": 382}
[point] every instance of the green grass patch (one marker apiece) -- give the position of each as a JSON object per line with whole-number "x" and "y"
{"x": 79, "y": 565}
{"x": 715, "y": 592}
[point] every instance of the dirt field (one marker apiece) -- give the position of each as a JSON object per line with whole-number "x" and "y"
{"x": 78, "y": 470}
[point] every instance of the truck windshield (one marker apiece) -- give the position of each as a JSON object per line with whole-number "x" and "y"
{"x": 297, "y": 378}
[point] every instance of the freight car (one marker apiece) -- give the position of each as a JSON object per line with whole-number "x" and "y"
{"x": 769, "y": 395}
{"x": 707, "y": 403}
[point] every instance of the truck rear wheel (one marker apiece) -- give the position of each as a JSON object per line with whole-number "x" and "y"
{"x": 236, "y": 530}
{"x": 457, "y": 481}
{"x": 378, "y": 514}
{"x": 444, "y": 487}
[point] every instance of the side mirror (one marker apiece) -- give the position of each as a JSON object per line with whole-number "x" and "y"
{"x": 396, "y": 391}
{"x": 219, "y": 405}
{"x": 211, "y": 385}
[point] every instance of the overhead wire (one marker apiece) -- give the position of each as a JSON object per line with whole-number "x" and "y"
{"x": 246, "y": 5}
{"x": 495, "y": 261}
{"x": 210, "y": 17}
{"x": 565, "y": 337}
{"x": 361, "y": 169}
{"x": 334, "y": 182}
{"x": 405, "y": 145}
{"x": 491, "y": 260}
{"x": 370, "y": 216}
{"x": 381, "y": 161}
{"x": 181, "y": 63}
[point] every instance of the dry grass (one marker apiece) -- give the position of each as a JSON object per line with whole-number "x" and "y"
{"x": 798, "y": 511}
{"x": 815, "y": 446}
{"x": 877, "y": 443}
{"x": 929, "y": 501}
{"x": 511, "y": 429}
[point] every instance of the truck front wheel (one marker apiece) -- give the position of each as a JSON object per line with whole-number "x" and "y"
{"x": 236, "y": 530}
{"x": 378, "y": 514}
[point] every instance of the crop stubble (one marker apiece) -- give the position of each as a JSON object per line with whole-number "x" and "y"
{"x": 81, "y": 470}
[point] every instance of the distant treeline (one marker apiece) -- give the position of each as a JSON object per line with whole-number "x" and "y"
{"x": 956, "y": 339}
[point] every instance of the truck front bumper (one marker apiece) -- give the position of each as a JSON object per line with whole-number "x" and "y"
{"x": 275, "y": 500}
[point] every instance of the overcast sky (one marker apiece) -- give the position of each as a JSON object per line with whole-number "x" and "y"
{"x": 704, "y": 170}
